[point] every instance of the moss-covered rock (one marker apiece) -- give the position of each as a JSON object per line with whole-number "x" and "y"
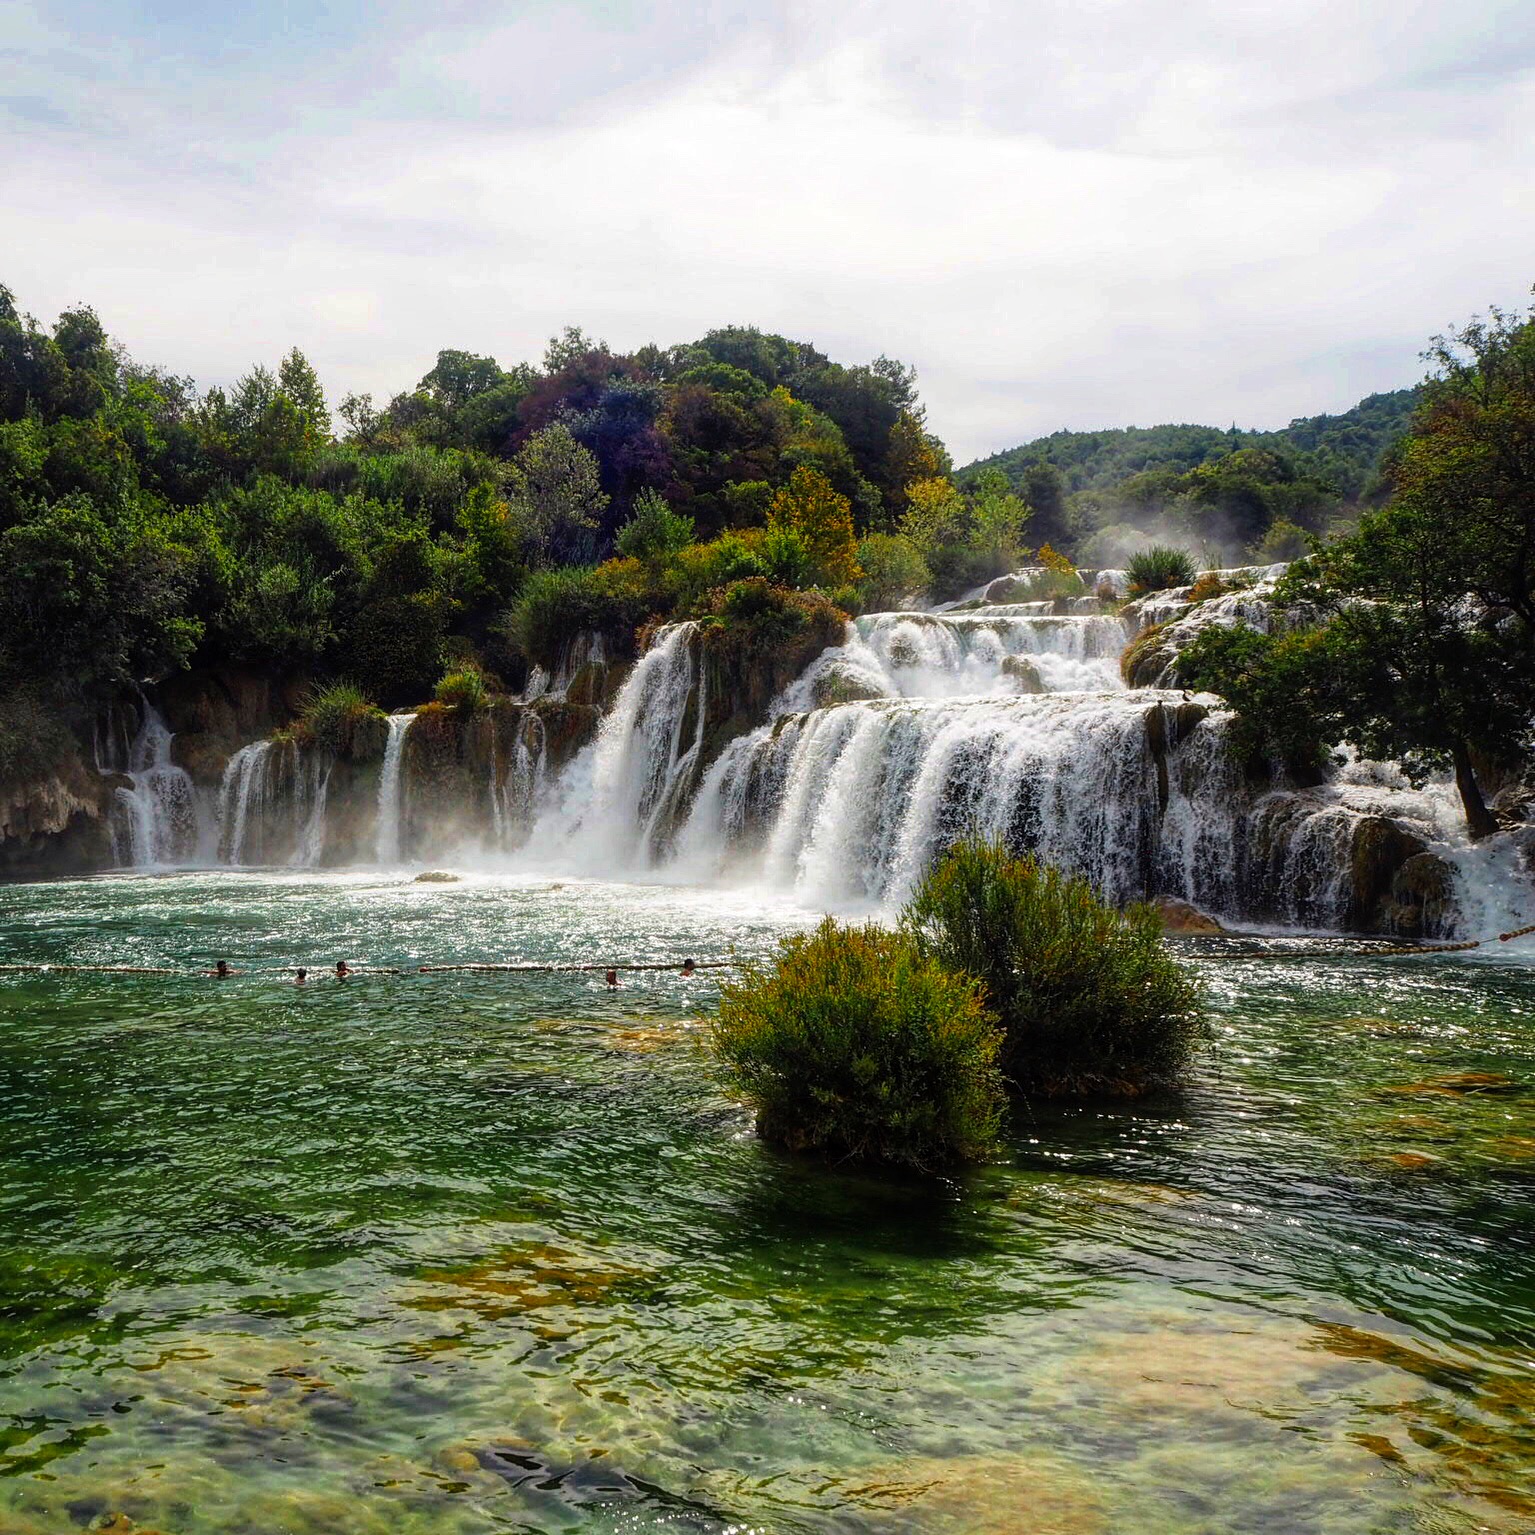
{"x": 1146, "y": 658}
{"x": 1421, "y": 903}
{"x": 1378, "y": 851}
{"x": 1024, "y": 673}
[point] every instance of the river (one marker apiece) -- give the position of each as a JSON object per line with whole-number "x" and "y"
{"x": 450, "y": 1253}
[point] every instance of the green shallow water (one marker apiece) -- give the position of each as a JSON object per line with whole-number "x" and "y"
{"x": 444, "y": 1254}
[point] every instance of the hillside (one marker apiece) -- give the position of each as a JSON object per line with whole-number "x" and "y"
{"x": 1347, "y": 447}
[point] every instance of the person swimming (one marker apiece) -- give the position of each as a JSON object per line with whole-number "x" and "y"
{"x": 343, "y": 970}
{"x": 688, "y": 967}
{"x": 612, "y": 978}
{"x": 222, "y": 970}
{"x": 301, "y": 976}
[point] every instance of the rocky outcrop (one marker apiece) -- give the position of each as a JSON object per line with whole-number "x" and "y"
{"x": 58, "y": 823}
{"x": 214, "y": 714}
{"x": 1182, "y": 917}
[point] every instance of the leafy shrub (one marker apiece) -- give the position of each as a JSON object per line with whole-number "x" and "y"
{"x": 1051, "y": 581}
{"x": 754, "y": 617}
{"x": 1284, "y": 540}
{"x": 784, "y": 556}
{"x": 556, "y": 605}
{"x": 853, "y": 1043}
{"x": 1088, "y": 998}
{"x": 463, "y": 691}
{"x": 654, "y": 530}
{"x": 1158, "y": 568}
{"x": 894, "y": 572}
{"x": 1207, "y": 586}
{"x": 341, "y": 718}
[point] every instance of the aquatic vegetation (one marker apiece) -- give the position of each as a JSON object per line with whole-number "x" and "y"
{"x": 464, "y": 691}
{"x": 1088, "y": 997}
{"x": 854, "y": 1044}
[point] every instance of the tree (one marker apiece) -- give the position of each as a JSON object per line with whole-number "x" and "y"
{"x": 557, "y": 496}
{"x": 997, "y": 517}
{"x": 1426, "y": 650}
{"x": 935, "y": 514}
{"x": 300, "y": 386}
{"x": 654, "y": 531}
{"x": 824, "y": 521}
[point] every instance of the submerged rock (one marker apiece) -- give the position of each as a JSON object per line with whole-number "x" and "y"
{"x": 436, "y": 877}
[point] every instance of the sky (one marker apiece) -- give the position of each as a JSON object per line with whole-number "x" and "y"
{"x": 1064, "y": 213}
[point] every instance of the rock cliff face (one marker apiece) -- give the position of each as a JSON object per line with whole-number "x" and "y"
{"x": 58, "y": 823}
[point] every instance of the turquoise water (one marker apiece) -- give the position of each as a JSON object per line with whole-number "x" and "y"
{"x": 471, "y": 1253}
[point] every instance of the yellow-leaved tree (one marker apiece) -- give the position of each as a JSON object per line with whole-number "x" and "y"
{"x": 823, "y": 519}
{"x": 935, "y": 513}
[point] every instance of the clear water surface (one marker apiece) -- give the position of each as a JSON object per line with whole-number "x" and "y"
{"x": 459, "y": 1253}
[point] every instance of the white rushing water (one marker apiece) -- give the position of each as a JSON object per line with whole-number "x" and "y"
{"x": 157, "y": 822}
{"x": 1006, "y": 719}
{"x": 391, "y": 793}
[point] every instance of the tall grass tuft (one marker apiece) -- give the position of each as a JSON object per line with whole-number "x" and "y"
{"x": 341, "y": 718}
{"x": 1158, "y": 568}
{"x": 855, "y": 1044}
{"x": 463, "y": 690}
{"x": 1088, "y": 998}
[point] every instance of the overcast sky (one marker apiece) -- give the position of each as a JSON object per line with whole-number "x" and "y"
{"x": 1065, "y": 213}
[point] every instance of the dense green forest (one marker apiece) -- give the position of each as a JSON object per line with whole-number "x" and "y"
{"x": 473, "y": 525}
{"x": 1099, "y": 492}
{"x": 478, "y": 519}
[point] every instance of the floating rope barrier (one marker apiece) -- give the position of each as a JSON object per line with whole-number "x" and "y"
{"x": 518, "y": 967}
{"x": 1452, "y": 948}
{"x": 322, "y": 972}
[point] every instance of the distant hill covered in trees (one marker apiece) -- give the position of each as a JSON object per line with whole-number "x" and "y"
{"x": 1226, "y": 486}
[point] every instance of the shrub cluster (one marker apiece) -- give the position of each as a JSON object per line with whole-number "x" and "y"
{"x": 1159, "y": 568}
{"x": 855, "y": 1044}
{"x": 1088, "y": 998}
{"x": 341, "y": 718}
{"x": 895, "y": 1046}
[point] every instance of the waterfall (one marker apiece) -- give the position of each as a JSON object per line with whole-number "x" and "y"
{"x": 391, "y": 793}
{"x": 156, "y": 822}
{"x": 311, "y": 844}
{"x": 516, "y": 782}
{"x": 851, "y": 803}
{"x": 242, "y": 798}
{"x": 622, "y": 791}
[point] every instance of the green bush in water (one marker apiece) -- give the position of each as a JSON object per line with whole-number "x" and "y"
{"x": 1158, "y": 568}
{"x": 855, "y": 1044}
{"x": 1088, "y": 997}
{"x": 341, "y": 718}
{"x": 463, "y": 690}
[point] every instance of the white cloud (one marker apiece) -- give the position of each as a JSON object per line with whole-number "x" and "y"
{"x": 1065, "y": 214}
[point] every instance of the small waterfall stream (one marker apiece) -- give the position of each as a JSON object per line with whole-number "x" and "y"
{"x": 157, "y": 822}
{"x": 391, "y": 793}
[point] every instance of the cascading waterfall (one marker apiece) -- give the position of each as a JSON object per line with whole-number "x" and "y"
{"x": 516, "y": 784}
{"x": 391, "y": 792}
{"x": 850, "y": 803}
{"x": 157, "y": 821}
{"x": 1007, "y": 719}
{"x": 618, "y": 795}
